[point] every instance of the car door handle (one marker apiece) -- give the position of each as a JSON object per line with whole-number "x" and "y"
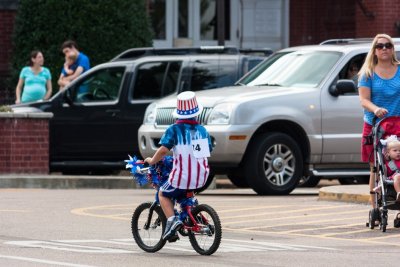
{"x": 113, "y": 112}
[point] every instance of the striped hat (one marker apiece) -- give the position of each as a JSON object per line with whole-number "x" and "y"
{"x": 187, "y": 106}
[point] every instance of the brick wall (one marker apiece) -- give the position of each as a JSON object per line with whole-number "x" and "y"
{"x": 386, "y": 14}
{"x": 24, "y": 143}
{"x": 313, "y": 21}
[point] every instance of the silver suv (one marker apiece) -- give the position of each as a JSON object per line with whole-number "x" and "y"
{"x": 296, "y": 114}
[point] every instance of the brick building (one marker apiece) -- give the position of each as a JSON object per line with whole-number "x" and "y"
{"x": 251, "y": 23}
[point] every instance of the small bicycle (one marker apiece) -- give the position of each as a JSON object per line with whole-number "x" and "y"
{"x": 201, "y": 222}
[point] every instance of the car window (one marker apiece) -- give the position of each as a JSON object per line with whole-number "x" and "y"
{"x": 208, "y": 74}
{"x": 156, "y": 79}
{"x": 304, "y": 69}
{"x": 102, "y": 85}
{"x": 351, "y": 69}
{"x": 250, "y": 63}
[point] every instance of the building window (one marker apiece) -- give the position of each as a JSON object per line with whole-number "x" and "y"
{"x": 183, "y": 21}
{"x": 157, "y": 13}
{"x": 208, "y": 19}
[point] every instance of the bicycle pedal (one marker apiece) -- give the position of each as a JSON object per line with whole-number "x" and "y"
{"x": 173, "y": 238}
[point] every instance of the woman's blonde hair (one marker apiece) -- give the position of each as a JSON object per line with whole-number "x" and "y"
{"x": 370, "y": 62}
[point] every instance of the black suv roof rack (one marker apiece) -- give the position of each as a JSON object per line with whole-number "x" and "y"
{"x": 134, "y": 53}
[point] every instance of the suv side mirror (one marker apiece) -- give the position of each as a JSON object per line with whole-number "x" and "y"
{"x": 342, "y": 87}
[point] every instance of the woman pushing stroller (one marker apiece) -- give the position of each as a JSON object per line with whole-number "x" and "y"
{"x": 379, "y": 90}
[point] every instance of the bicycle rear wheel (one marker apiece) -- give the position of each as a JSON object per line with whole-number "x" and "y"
{"x": 207, "y": 240}
{"x": 148, "y": 236}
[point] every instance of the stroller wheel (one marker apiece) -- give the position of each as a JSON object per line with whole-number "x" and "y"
{"x": 384, "y": 219}
{"x": 396, "y": 222}
{"x": 383, "y": 225}
{"x": 374, "y": 218}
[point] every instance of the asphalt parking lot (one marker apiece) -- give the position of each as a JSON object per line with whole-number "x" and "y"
{"x": 92, "y": 228}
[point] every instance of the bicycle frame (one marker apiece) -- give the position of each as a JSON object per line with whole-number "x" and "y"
{"x": 186, "y": 211}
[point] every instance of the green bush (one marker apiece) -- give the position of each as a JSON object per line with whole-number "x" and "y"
{"x": 4, "y": 108}
{"x": 101, "y": 28}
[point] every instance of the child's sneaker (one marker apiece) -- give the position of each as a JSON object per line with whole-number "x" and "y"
{"x": 171, "y": 228}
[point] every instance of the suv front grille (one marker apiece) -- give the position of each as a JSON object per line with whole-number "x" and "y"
{"x": 164, "y": 116}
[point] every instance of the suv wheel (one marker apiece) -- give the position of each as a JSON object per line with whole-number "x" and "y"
{"x": 273, "y": 164}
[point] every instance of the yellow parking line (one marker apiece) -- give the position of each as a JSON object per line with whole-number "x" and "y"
{"x": 346, "y": 233}
{"x": 384, "y": 236}
{"x": 311, "y": 222}
{"x": 15, "y": 211}
{"x": 289, "y": 217}
{"x": 283, "y": 212}
{"x": 257, "y": 208}
{"x": 312, "y": 236}
{"x": 87, "y": 211}
{"x": 323, "y": 228}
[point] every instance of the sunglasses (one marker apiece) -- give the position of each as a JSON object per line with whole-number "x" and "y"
{"x": 380, "y": 46}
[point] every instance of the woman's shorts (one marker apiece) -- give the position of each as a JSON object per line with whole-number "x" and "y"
{"x": 367, "y": 147}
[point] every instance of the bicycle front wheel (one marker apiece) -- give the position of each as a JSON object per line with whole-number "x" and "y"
{"x": 148, "y": 227}
{"x": 207, "y": 240}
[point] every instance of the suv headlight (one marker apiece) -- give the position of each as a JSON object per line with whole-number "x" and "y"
{"x": 150, "y": 114}
{"x": 220, "y": 114}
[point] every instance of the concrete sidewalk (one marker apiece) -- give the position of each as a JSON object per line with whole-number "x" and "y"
{"x": 328, "y": 190}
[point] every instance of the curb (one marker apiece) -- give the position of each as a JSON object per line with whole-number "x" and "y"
{"x": 84, "y": 182}
{"x": 347, "y": 193}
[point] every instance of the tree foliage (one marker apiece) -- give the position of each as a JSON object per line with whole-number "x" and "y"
{"x": 101, "y": 28}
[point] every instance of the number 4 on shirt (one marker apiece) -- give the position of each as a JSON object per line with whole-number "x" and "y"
{"x": 200, "y": 148}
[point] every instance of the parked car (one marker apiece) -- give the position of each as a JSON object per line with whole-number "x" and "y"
{"x": 95, "y": 131}
{"x": 295, "y": 115}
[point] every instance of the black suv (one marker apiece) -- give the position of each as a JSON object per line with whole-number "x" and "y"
{"x": 97, "y": 116}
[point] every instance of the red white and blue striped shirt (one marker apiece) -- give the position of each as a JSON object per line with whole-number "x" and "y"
{"x": 190, "y": 168}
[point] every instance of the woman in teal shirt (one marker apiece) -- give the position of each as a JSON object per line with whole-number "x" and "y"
{"x": 35, "y": 80}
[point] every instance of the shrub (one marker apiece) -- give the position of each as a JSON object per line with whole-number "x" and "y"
{"x": 4, "y": 108}
{"x": 101, "y": 28}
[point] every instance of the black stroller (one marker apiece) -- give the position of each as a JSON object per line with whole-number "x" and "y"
{"x": 385, "y": 193}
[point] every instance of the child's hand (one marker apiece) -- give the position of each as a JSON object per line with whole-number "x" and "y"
{"x": 67, "y": 69}
{"x": 148, "y": 161}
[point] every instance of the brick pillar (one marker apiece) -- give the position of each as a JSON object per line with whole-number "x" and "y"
{"x": 24, "y": 142}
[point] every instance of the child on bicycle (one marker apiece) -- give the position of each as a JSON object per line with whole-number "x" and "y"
{"x": 191, "y": 146}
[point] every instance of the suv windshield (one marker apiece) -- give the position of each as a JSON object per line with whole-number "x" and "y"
{"x": 304, "y": 69}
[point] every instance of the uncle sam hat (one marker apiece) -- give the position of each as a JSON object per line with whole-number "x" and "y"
{"x": 187, "y": 106}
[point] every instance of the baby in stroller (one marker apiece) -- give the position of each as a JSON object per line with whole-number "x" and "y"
{"x": 386, "y": 159}
{"x": 390, "y": 177}
{"x": 393, "y": 163}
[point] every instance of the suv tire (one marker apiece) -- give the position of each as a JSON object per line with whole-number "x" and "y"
{"x": 273, "y": 164}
